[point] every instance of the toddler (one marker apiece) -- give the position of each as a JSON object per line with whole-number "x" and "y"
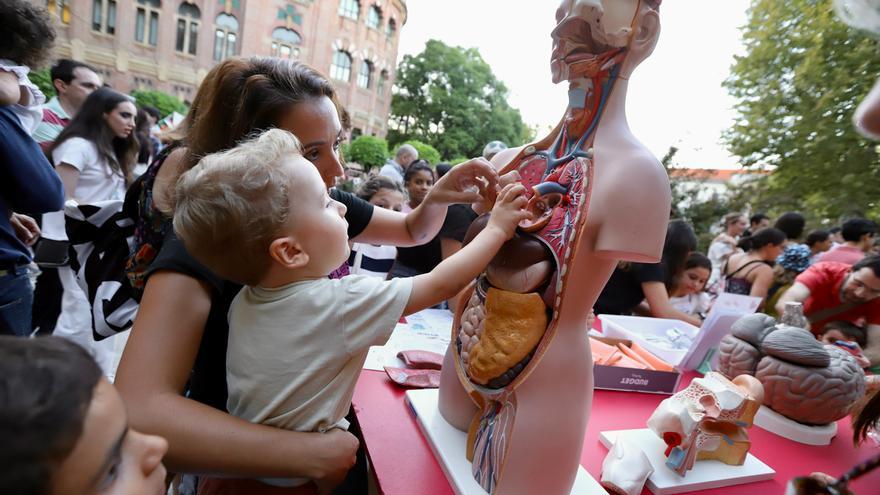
{"x": 847, "y": 336}
{"x": 260, "y": 215}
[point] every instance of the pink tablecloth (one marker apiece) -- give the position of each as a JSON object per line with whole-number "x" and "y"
{"x": 404, "y": 464}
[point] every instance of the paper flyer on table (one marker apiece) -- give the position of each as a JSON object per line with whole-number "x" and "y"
{"x": 427, "y": 330}
{"x": 725, "y": 311}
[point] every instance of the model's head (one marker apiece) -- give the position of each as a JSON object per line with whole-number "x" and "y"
{"x": 64, "y": 427}
{"x": 74, "y": 82}
{"x": 249, "y": 95}
{"x": 107, "y": 119}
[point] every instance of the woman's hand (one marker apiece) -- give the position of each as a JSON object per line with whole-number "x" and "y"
{"x": 26, "y": 228}
{"x": 468, "y": 182}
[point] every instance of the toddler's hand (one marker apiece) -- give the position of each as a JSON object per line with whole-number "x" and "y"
{"x": 509, "y": 209}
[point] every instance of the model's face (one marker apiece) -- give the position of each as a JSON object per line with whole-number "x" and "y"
{"x": 418, "y": 186}
{"x": 693, "y": 280}
{"x": 390, "y": 199}
{"x": 317, "y": 221}
{"x": 315, "y": 122}
{"x": 84, "y": 82}
{"x": 121, "y": 120}
{"x": 861, "y": 286}
{"x": 587, "y": 29}
{"x": 109, "y": 457}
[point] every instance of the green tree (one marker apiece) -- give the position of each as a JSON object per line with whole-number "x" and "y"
{"x": 797, "y": 86}
{"x": 369, "y": 151}
{"x": 43, "y": 80}
{"x": 449, "y": 98}
{"x": 162, "y": 101}
{"x": 426, "y": 151}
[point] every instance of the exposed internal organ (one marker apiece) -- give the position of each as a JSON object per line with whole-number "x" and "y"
{"x": 546, "y": 197}
{"x": 583, "y": 48}
{"x": 498, "y": 335}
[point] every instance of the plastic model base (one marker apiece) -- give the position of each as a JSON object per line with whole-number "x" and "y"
{"x": 778, "y": 424}
{"x": 704, "y": 475}
{"x": 448, "y": 445}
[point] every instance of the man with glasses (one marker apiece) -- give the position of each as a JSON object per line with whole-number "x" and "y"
{"x": 833, "y": 291}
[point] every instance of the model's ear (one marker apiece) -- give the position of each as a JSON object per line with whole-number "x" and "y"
{"x": 647, "y": 33}
{"x": 288, "y": 253}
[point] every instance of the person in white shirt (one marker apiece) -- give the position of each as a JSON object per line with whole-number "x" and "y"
{"x": 724, "y": 245}
{"x": 94, "y": 156}
{"x": 298, "y": 339}
{"x": 372, "y": 259}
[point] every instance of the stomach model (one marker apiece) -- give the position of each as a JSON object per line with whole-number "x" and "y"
{"x": 510, "y": 315}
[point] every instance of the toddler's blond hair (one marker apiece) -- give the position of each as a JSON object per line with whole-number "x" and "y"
{"x": 231, "y": 205}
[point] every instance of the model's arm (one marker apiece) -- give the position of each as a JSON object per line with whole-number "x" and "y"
{"x": 465, "y": 183}
{"x": 658, "y": 302}
{"x": 798, "y": 292}
{"x": 152, "y": 374}
{"x": 455, "y": 272}
{"x": 872, "y": 349}
{"x": 762, "y": 283}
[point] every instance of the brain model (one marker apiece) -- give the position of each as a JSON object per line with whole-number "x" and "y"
{"x": 803, "y": 379}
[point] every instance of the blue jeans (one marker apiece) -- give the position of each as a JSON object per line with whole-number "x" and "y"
{"x": 16, "y": 299}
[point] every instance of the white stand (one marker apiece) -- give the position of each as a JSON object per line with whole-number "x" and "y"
{"x": 449, "y": 443}
{"x": 704, "y": 475}
{"x": 778, "y": 424}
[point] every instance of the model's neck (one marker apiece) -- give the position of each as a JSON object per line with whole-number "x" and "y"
{"x": 584, "y": 96}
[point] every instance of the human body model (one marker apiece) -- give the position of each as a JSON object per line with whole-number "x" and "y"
{"x": 534, "y": 395}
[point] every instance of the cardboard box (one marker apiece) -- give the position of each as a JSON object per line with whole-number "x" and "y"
{"x": 633, "y": 380}
{"x": 670, "y": 340}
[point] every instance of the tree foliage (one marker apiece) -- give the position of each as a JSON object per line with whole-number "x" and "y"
{"x": 43, "y": 80}
{"x": 426, "y": 151}
{"x": 369, "y": 151}
{"x": 449, "y": 98}
{"x": 162, "y": 101}
{"x": 797, "y": 87}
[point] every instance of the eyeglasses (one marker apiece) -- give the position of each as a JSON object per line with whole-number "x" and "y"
{"x": 861, "y": 285}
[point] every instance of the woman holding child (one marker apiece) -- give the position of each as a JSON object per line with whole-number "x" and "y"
{"x": 178, "y": 343}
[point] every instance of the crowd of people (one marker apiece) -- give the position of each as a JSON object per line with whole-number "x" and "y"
{"x": 240, "y": 233}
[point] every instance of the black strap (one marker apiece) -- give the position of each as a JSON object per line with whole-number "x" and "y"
{"x": 740, "y": 268}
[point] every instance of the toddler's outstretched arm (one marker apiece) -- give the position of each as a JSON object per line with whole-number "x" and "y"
{"x": 455, "y": 272}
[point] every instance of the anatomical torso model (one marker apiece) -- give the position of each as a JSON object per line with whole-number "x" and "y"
{"x": 518, "y": 375}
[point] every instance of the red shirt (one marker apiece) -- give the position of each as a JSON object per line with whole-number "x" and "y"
{"x": 824, "y": 280}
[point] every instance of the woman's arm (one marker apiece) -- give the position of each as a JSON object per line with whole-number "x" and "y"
{"x": 658, "y": 302}
{"x": 465, "y": 183}
{"x": 761, "y": 284}
{"x": 152, "y": 374}
{"x": 69, "y": 177}
{"x": 448, "y": 247}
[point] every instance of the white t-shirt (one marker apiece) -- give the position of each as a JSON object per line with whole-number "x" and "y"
{"x": 31, "y": 113}
{"x": 97, "y": 181}
{"x": 692, "y": 304}
{"x": 376, "y": 261}
{"x": 295, "y": 352}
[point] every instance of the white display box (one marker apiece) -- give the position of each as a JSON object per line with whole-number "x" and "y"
{"x": 669, "y": 340}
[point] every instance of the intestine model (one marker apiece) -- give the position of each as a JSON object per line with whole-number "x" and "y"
{"x": 518, "y": 374}
{"x": 804, "y": 380}
{"x": 708, "y": 420}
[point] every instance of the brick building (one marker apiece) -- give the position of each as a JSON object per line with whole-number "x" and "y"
{"x": 170, "y": 45}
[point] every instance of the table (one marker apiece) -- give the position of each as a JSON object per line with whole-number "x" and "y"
{"x": 403, "y": 463}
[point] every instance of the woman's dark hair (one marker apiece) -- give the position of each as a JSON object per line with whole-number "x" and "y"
{"x": 848, "y": 329}
{"x": 375, "y": 184}
{"x": 416, "y": 167}
{"x": 867, "y": 419}
{"x": 249, "y": 95}
{"x": 89, "y": 123}
{"x": 816, "y": 237}
{"x": 442, "y": 169}
{"x": 761, "y": 238}
{"x": 698, "y": 260}
{"x": 28, "y": 35}
{"x": 680, "y": 242}
{"x": 46, "y": 387}
{"x": 142, "y": 131}
{"x": 791, "y": 224}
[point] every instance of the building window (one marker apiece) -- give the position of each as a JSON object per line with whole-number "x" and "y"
{"x": 380, "y": 85}
{"x": 146, "y": 25}
{"x": 365, "y": 74}
{"x": 341, "y": 67}
{"x": 59, "y": 8}
{"x": 104, "y": 16}
{"x": 188, "y": 16}
{"x": 391, "y": 28}
{"x": 225, "y": 36}
{"x": 374, "y": 17}
{"x": 285, "y": 43}
{"x": 350, "y": 9}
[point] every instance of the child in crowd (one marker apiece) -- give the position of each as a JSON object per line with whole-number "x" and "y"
{"x": 848, "y": 337}
{"x": 688, "y": 294}
{"x": 260, "y": 215}
{"x": 64, "y": 426}
{"x": 27, "y": 40}
{"x": 369, "y": 259}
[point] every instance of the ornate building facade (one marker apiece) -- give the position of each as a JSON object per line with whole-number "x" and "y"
{"x": 170, "y": 45}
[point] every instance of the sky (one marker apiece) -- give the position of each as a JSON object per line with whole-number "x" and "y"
{"x": 675, "y": 97}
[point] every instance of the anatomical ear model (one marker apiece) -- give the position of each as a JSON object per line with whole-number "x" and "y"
{"x": 625, "y": 469}
{"x": 518, "y": 374}
{"x": 708, "y": 420}
{"x": 803, "y": 379}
